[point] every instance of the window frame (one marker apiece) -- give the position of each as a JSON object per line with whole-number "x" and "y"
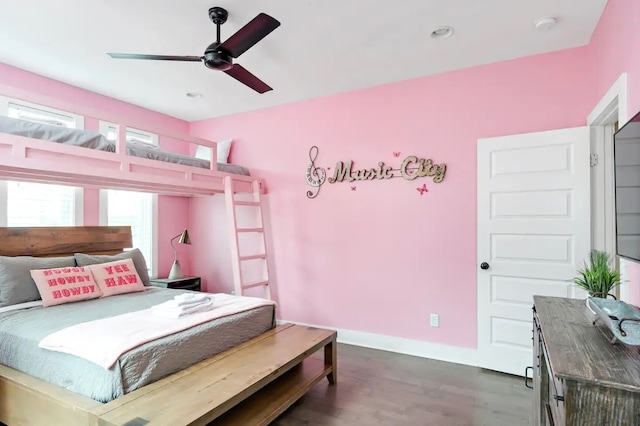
{"x": 4, "y": 110}
{"x": 103, "y": 220}
{"x": 78, "y": 199}
{"x": 105, "y": 126}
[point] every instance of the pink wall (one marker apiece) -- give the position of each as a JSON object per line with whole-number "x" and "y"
{"x": 173, "y": 212}
{"x": 381, "y": 258}
{"x": 613, "y": 50}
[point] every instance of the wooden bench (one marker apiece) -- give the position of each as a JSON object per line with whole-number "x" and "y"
{"x": 250, "y": 384}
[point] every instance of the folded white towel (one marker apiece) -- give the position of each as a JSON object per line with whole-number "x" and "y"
{"x": 189, "y": 298}
{"x": 175, "y": 304}
{"x": 170, "y": 310}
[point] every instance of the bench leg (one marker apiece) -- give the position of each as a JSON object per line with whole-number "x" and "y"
{"x": 331, "y": 358}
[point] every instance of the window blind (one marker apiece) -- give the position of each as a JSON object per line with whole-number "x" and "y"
{"x": 37, "y": 204}
{"x": 41, "y": 115}
{"x": 135, "y": 209}
{"x": 133, "y": 135}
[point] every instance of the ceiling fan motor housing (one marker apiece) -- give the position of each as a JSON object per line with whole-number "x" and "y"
{"x": 217, "y": 59}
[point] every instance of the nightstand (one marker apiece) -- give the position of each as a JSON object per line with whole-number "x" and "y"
{"x": 186, "y": 283}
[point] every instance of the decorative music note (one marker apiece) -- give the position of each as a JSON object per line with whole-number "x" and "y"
{"x": 423, "y": 189}
{"x": 315, "y": 176}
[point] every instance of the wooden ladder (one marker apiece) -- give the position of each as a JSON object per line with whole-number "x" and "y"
{"x": 237, "y": 258}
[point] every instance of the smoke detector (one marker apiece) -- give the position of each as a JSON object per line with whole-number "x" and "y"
{"x": 442, "y": 32}
{"x": 546, "y": 23}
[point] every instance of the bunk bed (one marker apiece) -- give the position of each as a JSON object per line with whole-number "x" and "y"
{"x": 250, "y": 383}
{"x": 93, "y": 164}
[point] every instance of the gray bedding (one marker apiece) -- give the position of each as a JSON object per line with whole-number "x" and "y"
{"x": 94, "y": 140}
{"x": 20, "y": 332}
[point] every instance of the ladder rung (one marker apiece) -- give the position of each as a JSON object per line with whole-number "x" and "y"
{"x": 250, "y": 229}
{"x": 254, "y": 257}
{"x": 254, "y": 284}
{"x": 246, "y": 203}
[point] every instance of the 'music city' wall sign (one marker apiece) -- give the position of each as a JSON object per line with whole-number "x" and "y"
{"x": 411, "y": 168}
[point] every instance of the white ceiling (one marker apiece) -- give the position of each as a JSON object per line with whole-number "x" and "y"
{"x": 321, "y": 48}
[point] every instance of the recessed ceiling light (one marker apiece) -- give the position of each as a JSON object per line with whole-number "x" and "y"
{"x": 442, "y": 32}
{"x": 545, "y": 23}
{"x": 194, "y": 95}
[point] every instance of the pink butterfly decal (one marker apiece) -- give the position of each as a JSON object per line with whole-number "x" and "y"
{"x": 423, "y": 189}
{"x": 328, "y": 168}
{"x": 353, "y": 188}
{"x": 396, "y": 154}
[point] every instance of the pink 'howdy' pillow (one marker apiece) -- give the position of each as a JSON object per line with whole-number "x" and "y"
{"x": 117, "y": 277}
{"x": 64, "y": 285}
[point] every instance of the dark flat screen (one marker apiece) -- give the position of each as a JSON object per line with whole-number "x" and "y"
{"x": 626, "y": 145}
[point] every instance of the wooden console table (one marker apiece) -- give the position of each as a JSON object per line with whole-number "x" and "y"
{"x": 579, "y": 377}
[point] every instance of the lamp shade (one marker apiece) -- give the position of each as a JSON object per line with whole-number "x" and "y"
{"x": 176, "y": 270}
{"x": 184, "y": 237}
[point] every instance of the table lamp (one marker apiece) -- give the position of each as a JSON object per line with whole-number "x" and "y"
{"x": 176, "y": 270}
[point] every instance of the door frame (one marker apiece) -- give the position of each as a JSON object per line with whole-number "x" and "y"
{"x": 612, "y": 107}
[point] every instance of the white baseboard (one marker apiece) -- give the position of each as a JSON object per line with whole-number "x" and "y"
{"x": 401, "y": 345}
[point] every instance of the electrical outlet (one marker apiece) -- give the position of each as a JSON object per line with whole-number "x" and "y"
{"x": 435, "y": 320}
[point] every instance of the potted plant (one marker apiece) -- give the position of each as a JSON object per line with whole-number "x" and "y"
{"x": 598, "y": 276}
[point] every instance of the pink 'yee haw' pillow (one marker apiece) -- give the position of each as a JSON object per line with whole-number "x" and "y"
{"x": 117, "y": 277}
{"x": 64, "y": 285}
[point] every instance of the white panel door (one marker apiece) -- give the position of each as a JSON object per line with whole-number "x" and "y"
{"x": 533, "y": 234}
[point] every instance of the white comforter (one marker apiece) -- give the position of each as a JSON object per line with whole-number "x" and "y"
{"x": 103, "y": 341}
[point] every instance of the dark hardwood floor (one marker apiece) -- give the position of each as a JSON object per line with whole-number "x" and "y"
{"x": 383, "y": 388}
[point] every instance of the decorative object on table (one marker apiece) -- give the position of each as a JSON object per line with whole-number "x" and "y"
{"x": 598, "y": 277}
{"x": 176, "y": 270}
{"x": 622, "y": 319}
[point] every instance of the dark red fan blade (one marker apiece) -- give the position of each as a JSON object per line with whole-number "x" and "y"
{"x": 155, "y": 57}
{"x": 250, "y": 34}
{"x": 245, "y": 77}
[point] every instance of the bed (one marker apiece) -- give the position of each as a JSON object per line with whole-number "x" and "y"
{"x": 22, "y": 329}
{"x": 95, "y": 140}
{"x": 29, "y": 155}
{"x": 262, "y": 371}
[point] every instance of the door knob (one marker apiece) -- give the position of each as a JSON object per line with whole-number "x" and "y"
{"x": 484, "y": 265}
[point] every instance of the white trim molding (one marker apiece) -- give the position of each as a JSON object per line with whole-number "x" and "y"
{"x": 611, "y": 108}
{"x": 616, "y": 97}
{"x": 419, "y": 348}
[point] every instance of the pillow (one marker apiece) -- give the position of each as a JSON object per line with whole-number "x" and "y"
{"x": 135, "y": 254}
{"x": 64, "y": 285}
{"x": 204, "y": 152}
{"x": 117, "y": 277}
{"x": 16, "y": 284}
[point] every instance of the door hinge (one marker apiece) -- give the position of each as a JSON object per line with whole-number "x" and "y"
{"x": 594, "y": 160}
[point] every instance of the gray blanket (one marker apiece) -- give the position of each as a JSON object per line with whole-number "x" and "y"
{"x": 21, "y": 331}
{"x": 94, "y": 140}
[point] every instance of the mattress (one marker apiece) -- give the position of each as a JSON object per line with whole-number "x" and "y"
{"x": 95, "y": 140}
{"x": 21, "y": 330}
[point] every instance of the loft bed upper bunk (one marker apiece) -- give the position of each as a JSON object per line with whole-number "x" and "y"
{"x": 29, "y": 152}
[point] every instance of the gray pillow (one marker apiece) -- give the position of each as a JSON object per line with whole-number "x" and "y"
{"x": 135, "y": 254}
{"x": 16, "y": 284}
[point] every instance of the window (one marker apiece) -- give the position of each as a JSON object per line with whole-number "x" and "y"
{"x": 135, "y": 209}
{"x": 110, "y": 131}
{"x": 40, "y": 114}
{"x": 37, "y": 204}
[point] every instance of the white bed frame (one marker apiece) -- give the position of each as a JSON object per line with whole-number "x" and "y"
{"x": 35, "y": 160}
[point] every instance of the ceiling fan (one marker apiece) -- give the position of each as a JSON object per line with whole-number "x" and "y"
{"x": 219, "y": 56}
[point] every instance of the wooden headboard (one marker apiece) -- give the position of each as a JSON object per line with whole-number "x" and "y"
{"x": 64, "y": 240}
